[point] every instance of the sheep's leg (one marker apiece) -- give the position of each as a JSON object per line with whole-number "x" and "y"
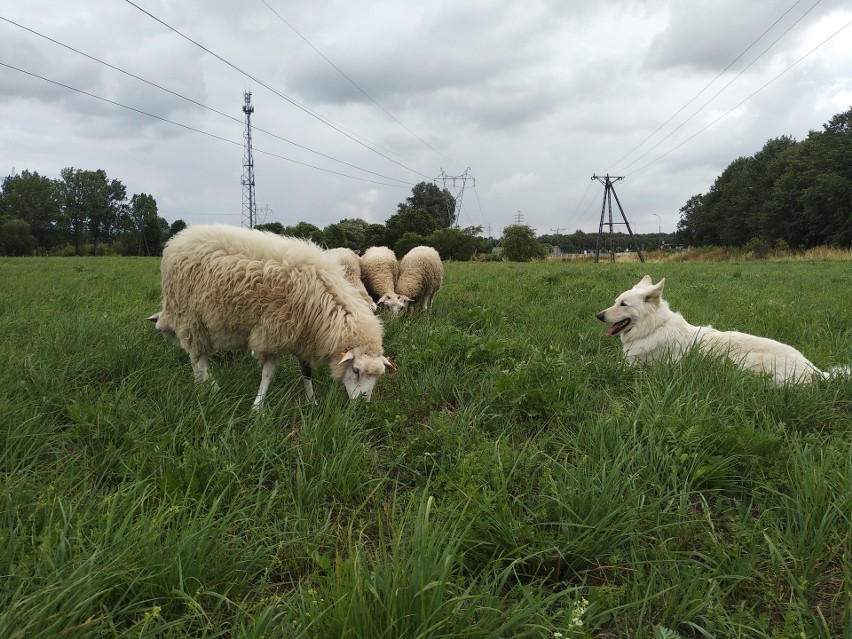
{"x": 268, "y": 364}
{"x": 306, "y": 371}
{"x": 201, "y": 371}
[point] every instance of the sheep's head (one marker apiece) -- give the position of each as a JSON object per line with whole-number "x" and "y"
{"x": 359, "y": 370}
{"x": 392, "y": 301}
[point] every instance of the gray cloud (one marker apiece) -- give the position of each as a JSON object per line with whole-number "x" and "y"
{"x": 533, "y": 97}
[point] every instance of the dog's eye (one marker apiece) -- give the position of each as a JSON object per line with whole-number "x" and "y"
{"x": 623, "y": 304}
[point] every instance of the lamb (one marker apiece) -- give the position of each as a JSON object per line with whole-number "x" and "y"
{"x": 351, "y": 264}
{"x": 230, "y": 288}
{"x": 420, "y": 276}
{"x": 379, "y": 271}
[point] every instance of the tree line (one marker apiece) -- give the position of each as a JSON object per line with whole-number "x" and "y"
{"x": 80, "y": 213}
{"x": 85, "y": 213}
{"x": 788, "y": 194}
{"x": 424, "y": 218}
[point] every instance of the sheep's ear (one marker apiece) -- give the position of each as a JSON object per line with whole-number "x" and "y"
{"x": 154, "y": 317}
{"x": 656, "y": 293}
{"x": 346, "y": 357}
{"x": 382, "y": 299}
{"x": 388, "y": 362}
{"x": 645, "y": 281}
{"x": 405, "y": 298}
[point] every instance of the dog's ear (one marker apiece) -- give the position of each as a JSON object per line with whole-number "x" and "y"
{"x": 656, "y": 293}
{"x": 645, "y": 281}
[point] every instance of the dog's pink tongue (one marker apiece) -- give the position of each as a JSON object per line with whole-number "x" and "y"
{"x": 611, "y": 330}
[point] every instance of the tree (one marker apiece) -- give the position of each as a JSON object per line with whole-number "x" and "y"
{"x": 374, "y": 235}
{"x": 355, "y": 229}
{"x": 176, "y": 227}
{"x": 306, "y": 231}
{"x": 15, "y": 238}
{"x": 89, "y": 203}
{"x": 105, "y": 206}
{"x": 272, "y": 227}
{"x": 407, "y": 242}
{"x": 409, "y": 220}
{"x": 34, "y": 199}
{"x": 335, "y": 236}
{"x": 520, "y": 244}
{"x": 145, "y": 227}
{"x": 439, "y": 203}
{"x": 455, "y": 244}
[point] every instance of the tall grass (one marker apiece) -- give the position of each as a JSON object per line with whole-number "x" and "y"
{"x": 512, "y": 479}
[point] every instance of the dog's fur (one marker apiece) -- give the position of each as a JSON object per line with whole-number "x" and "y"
{"x": 651, "y": 332}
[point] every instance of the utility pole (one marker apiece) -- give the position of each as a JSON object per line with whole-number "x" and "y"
{"x": 519, "y": 217}
{"x": 249, "y": 206}
{"x": 659, "y": 223}
{"x": 609, "y": 193}
{"x": 556, "y": 234}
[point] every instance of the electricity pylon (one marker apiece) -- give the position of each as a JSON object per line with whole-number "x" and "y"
{"x": 463, "y": 178}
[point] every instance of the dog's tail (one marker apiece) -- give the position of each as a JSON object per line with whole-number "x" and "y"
{"x": 838, "y": 371}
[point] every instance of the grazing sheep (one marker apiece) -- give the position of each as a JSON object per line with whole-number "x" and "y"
{"x": 420, "y": 276}
{"x": 230, "y": 288}
{"x": 379, "y": 271}
{"x": 352, "y": 269}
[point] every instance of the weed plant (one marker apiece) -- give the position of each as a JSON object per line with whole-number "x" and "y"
{"x": 512, "y": 479}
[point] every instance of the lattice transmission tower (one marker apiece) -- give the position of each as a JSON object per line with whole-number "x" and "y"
{"x": 455, "y": 179}
{"x": 249, "y": 203}
{"x": 609, "y": 193}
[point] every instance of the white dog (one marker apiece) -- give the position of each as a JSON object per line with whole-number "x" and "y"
{"x": 650, "y": 332}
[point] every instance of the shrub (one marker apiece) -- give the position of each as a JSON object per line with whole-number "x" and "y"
{"x": 758, "y": 247}
{"x": 520, "y": 244}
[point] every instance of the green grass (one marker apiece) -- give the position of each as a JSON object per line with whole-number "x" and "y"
{"x": 512, "y": 479}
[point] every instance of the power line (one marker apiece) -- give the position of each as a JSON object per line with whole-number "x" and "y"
{"x": 198, "y": 104}
{"x": 715, "y": 95}
{"x": 351, "y": 81}
{"x": 190, "y": 128}
{"x": 746, "y": 99}
{"x": 481, "y": 212}
{"x": 302, "y": 107}
{"x": 693, "y": 98}
{"x": 571, "y": 221}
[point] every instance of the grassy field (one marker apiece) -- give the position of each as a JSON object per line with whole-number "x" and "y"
{"x": 511, "y": 479}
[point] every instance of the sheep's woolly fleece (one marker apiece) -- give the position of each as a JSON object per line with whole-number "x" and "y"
{"x": 229, "y": 288}
{"x": 352, "y": 269}
{"x": 379, "y": 272}
{"x": 420, "y": 275}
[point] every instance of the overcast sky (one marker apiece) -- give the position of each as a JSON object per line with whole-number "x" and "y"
{"x": 533, "y": 97}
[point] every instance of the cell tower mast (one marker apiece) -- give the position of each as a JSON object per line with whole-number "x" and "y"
{"x": 249, "y": 204}
{"x": 609, "y": 193}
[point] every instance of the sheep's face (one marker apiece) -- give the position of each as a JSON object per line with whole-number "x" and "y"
{"x": 359, "y": 371}
{"x": 393, "y": 302}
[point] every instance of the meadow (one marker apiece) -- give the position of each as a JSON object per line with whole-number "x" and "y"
{"x": 512, "y": 479}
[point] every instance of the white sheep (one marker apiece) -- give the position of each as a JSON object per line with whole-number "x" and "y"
{"x": 420, "y": 276}
{"x": 230, "y": 288}
{"x": 351, "y": 264}
{"x": 379, "y": 272}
